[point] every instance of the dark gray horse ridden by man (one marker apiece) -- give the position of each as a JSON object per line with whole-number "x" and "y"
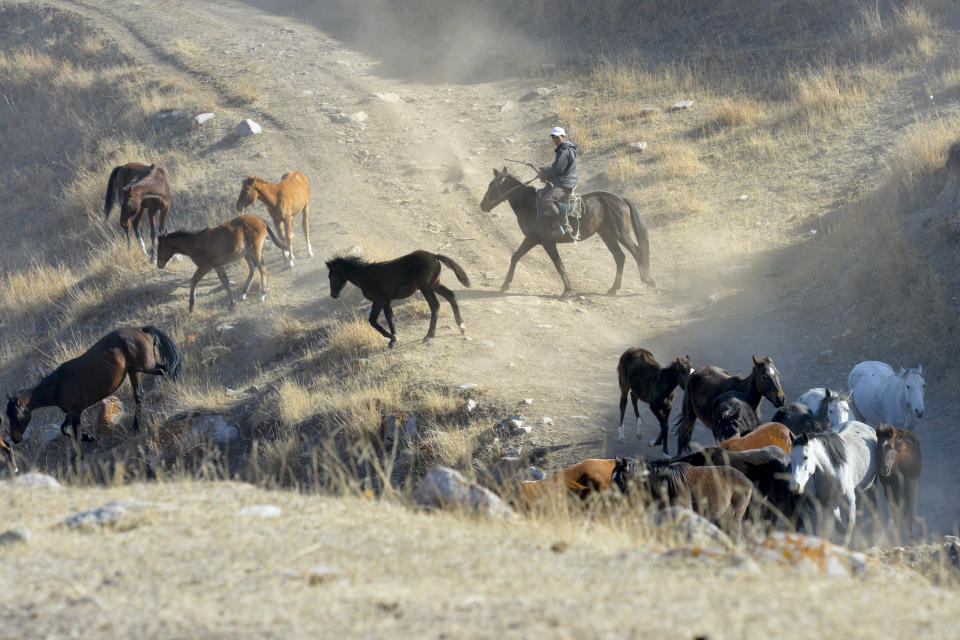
{"x": 561, "y": 177}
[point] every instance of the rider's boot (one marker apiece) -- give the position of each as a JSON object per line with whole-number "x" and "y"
{"x": 563, "y": 227}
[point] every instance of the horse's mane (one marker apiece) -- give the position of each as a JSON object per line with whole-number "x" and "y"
{"x": 834, "y": 445}
{"x": 182, "y": 233}
{"x": 349, "y": 261}
{"x": 825, "y": 405}
{"x": 674, "y": 474}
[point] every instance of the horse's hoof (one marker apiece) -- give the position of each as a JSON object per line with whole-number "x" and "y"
{"x": 654, "y": 443}
{"x": 243, "y": 296}
{"x": 505, "y": 288}
{"x": 612, "y": 291}
{"x": 390, "y": 345}
{"x": 87, "y": 438}
{"x": 650, "y": 282}
{"x": 263, "y": 297}
{"x": 463, "y": 328}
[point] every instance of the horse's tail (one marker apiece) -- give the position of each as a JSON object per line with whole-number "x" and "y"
{"x": 277, "y": 241}
{"x": 684, "y": 424}
{"x": 457, "y": 269}
{"x": 108, "y": 201}
{"x": 168, "y": 350}
{"x": 640, "y": 230}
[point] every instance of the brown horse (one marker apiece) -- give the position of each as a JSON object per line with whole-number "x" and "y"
{"x": 283, "y": 200}
{"x": 79, "y": 383}
{"x": 769, "y": 434}
{"x": 583, "y": 478}
{"x": 383, "y": 282}
{"x": 140, "y": 189}
{"x": 215, "y": 247}
{"x": 706, "y": 384}
{"x": 720, "y": 494}
{"x": 641, "y": 376}
{"x": 899, "y": 473}
{"x": 608, "y": 215}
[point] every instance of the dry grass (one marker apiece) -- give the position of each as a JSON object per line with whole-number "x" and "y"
{"x": 476, "y": 578}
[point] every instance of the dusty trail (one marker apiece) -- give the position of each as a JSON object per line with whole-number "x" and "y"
{"x": 411, "y": 175}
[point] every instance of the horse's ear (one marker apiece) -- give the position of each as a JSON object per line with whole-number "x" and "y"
{"x": 496, "y": 174}
{"x": 920, "y": 369}
{"x": 756, "y": 362}
{"x": 329, "y": 263}
{"x": 828, "y": 394}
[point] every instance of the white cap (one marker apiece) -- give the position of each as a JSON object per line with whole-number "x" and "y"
{"x": 558, "y": 131}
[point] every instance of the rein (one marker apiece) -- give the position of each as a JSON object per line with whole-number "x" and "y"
{"x": 503, "y": 196}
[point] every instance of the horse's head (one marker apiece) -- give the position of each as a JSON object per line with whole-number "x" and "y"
{"x": 165, "y": 250}
{"x": 18, "y": 413}
{"x": 682, "y": 367}
{"x": 913, "y": 386}
{"x": 338, "y": 279}
{"x": 888, "y": 445}
{"x": 768, "y": 380}
{"x": 497, "y": 189}
{"x": 728, "y": 422}
{"x": 248, "y": 193}
{"x": 625, "y": 472}
{"x": 803, "y": 462}
{"x": 838, "y": 408}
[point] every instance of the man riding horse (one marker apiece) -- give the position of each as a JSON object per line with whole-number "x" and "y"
{"x": 561, "y": 177}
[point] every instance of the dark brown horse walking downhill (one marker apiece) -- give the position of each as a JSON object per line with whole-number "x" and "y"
{"x": 608, "y": 215}
{"x": 140, "y": 188}
{"x": 641, "y": 376}
{"x": 215, "y": 247}
{"x": 79, "y": 383}
{"x": 383, "y": 282}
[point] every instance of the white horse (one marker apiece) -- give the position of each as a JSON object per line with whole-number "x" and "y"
{"x": 840, "y": 463}
{"x": 837, "y": 411}
{"x": 883, "y": 396}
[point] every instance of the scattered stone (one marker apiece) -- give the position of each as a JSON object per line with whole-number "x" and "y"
{"x": 202, "y": 118}
{"x": 743, "y": 197}
{"x": 247, "y": 127}
{"x": 691, "y": 528}
{"x": 812, "y": 554}
{"x": 33, "y": 481}
{"x": 466, "y": 386}
{"x": 383, "y": 97}
{"x": 683, "y": 104}
{"x": 260, "y": 511}
{"x": 523, "y": 429}
{"x": 185, "y": 432}
{"x": 636, "y": 147}
{"x": 307, "y": 92}
{"x": 110, "y": 412}
{"x": 535, "y": 474}
{"x": 322, "y": 574}
{"x": 223, "y": 329}
{"x": 507, "y": 106}
{"x": 470, "y": 405}
{"x": 358, "y": 117}
{"x": 165, "y": 118}
{"x": 108, "y": 514}
{"x": 516, "y": 420}
{"x": 14, "y": 536}
{"x": 540, "y": 92}
{"x": 813, "y": 232}
{"x": 526, "y": 401}
{"x": 544, "y": 421}
{"x": 443, "y": 487}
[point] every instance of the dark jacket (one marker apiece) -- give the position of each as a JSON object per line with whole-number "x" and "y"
{"x": 563, "y": 171}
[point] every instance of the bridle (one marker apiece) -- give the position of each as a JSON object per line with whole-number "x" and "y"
{"x": 503, "y": 196}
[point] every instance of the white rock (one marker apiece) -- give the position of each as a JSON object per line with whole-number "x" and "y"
{"x": 743, "y": 197}
{"x": 544, "y": 421}
{"x": 813, "y": 232}
{"x": 248, "y": 127}
{"x": 636, "y": 147}
{"x": 683, "y": 104}
{"x": 201, "y": 118}
{"x": 443, "y": 487}
{"x": 34, "y": 481}
{"x": 467, "y": 386}
{"x": 359, "y": 117}
{"x": 187, "y": 432}
{"x": 507, "y": 106}
{"x": 526, "y": 401}
{"x": 385, "y": 97}
{"x": 470, "y": 405}
{"x": 260, "y": 511}
{"x": 692, "y": 528}
{"x": 166, "y": 117}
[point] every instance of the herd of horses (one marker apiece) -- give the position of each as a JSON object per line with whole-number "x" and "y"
{"x": 812, "y": 457}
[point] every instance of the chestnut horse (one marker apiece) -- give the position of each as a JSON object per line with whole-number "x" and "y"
{"x": 215, "y": 247}
{"x": 283, "y": 200}
{"x": 641, "y": 376}
{"x": 383, "y": 282}
{"x": 769, "y": 434}
{"x": 79, "y": 383}
{"x": 898, "y": 470}
{"x": 706, "y": 384}
{"x": 140, "y": 189}
{"x": 720, "y": 494}
{"x": 583, "y": 478}
{"x": 608, "y": 215}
